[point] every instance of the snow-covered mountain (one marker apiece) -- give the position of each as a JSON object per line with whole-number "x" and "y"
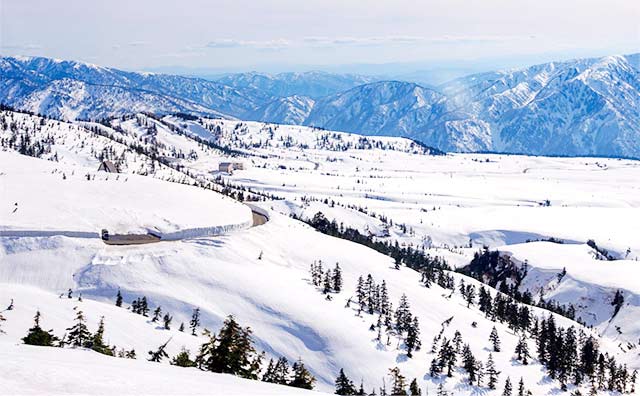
{"x": 582, "y": 107}
{"x": 587, "y": 106}
{"x": 579, "y": 107}
{"x": 292, "y": 110}
{"x": 381, "y": 108}
{"x": 72, "y": 90}
{"x": 314, "y": 84}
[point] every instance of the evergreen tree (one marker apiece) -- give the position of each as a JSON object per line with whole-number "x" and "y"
{"x": 403, "y": 315}
{"x": 159, "y": 354}
{"x": 495, "y": 340}
{"x": 282, "y": 373}
{"x": 414, "y": 389}
{"x": 118, "y": 299}
{"x": 231, "y": 352}
{"x": 78, "y": 334}
{"x": 507, "y": 388}
{"x": 156, "y": 314}
{"x": 181, "y": 328}
{"x": 144, "y": 306}
{"x": 37, "y": 336}
{"x": 492, "y": 373}
{"x": 412, "y": 341}
{"x": 469, "y": 363}
{"x": 302, "y": 378}
{"x": 166, "y": 319}
{"x": 326, "y": 284}
{"x": 522, "y": 351}
{"x": 344, "y": 386}
{"x": 183, "y": 359}
{"x": 398, "y": 382}
{"x": 97, "y": 342}
{"x": 337, "y": 279}
{"x": 195, "y": 321}
{"x": 447, "y": 357}
{"x": 521, "y": 390}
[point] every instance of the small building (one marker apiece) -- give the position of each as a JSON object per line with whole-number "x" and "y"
{"x": 108, "y": 166}
{"x": 230, "y": 166}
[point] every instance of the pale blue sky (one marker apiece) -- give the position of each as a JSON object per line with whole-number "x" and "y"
{"x": 294, "y": 34}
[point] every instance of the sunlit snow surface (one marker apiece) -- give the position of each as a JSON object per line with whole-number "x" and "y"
{"x": 261, "y": 274}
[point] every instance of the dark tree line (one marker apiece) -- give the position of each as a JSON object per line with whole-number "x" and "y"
{"x": 406, "y": 255}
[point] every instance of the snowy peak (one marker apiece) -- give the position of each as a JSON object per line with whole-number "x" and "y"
{"x": 314, "y": 84}
{"x": 380, "y": 108}
{"x": 292, "y": 110}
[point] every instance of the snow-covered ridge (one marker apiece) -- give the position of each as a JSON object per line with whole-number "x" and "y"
{"x": 578, "y": 107}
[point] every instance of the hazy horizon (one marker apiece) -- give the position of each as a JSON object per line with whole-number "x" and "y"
{"x": 375, "y": 37}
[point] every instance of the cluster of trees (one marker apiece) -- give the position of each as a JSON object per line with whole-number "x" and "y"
{"x": 569, "y": 355}
{"x": 279, "y": 372}
{"x": 77, "y": 336}
{"x": 403, "y": 255}
{"x": 140, "y": 306}
{"x": 454, "y": 353}
{"x": 495, "y": 269}
{"x": 572, "y": 356}
{"x": 232, "y": 351}
{"x": 373, "y": 298}
{"x": 329, "y": 281}
{"x": 398, "y": 383}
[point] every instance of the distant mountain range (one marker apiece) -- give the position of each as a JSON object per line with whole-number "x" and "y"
{"x": 579, "y": 107}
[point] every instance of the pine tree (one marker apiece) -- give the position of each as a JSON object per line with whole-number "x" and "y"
{"x": 302, "y": 378}
{"x": 344, "y": 386}
{"x": 231, "y": 352}
{"x": 522, "y": 351}
{"x": 159, "y": 354}
{"x": 521, "y": 390}
{"x": 156, "y": 314}
{"x": 269, "y": 372}
{"x": 507, "y": 388}
{"x": 326, "y": 284}
{"x": 495, "y": 340}
{"x": 469, "y": 363}
{"x": 181, "y": 328}
{"x": 492, "y": 373}
{"x": 414, "y": 389}
{"x": 118, "y": 299}
{"x": 97, "y": 342}
{"x": 166, "y": 319}
{"x": 79, "y": 335}
{"x": 144, "y": 306}
{"x": 402, "y": 315}
{"x": 398, "y": 382}
{"x": 195, "y": 321}
{"x": 183, "y": 359}
{"x": 37, "y": 336}
{"x": 282, "y": 374}
{"x": 337, "y": 279}
{"x": 412, "y": 341}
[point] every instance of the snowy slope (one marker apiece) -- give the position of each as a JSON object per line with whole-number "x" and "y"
{"x": 55, "y": 371}
{"x": 386, "y": 186}
{"x": 119, "y": 203}
{"x": 273, "y": 295}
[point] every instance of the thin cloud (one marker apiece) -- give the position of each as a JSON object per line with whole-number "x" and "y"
{"x": 346, "y": 41}
{"x": 260, "y": 44}
{"x": 21, "y": 47}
